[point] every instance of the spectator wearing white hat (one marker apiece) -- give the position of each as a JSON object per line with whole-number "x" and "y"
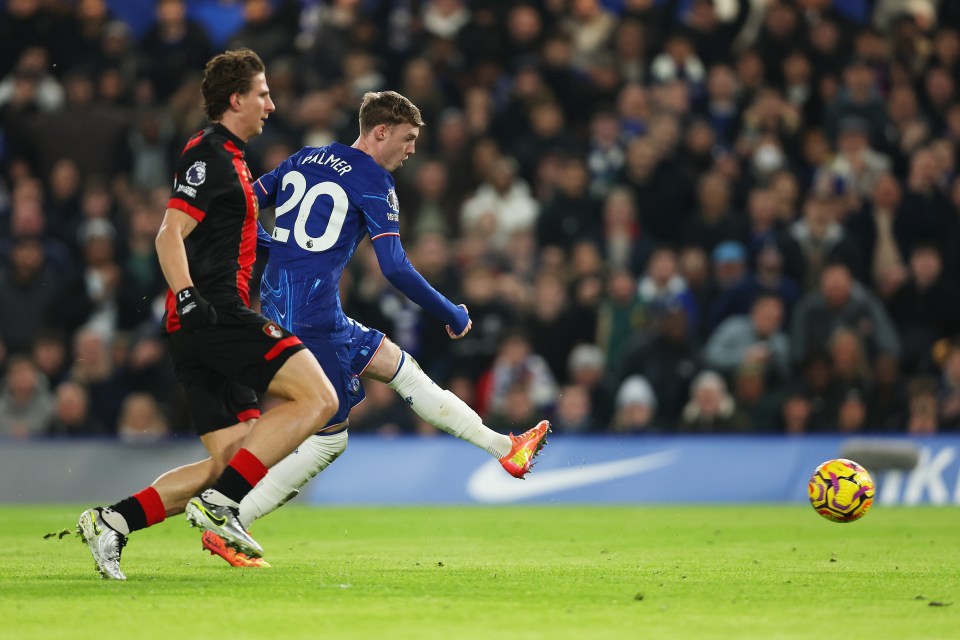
{"x": 636, "y": 406}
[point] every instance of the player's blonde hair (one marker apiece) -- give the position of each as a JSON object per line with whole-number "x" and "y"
{"x": 389, "y": 108}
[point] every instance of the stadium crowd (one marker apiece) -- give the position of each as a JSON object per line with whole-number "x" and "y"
{"x": 677, "y": 216}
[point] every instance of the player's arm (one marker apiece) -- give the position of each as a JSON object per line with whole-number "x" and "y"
{"x": 197, "y": 183}
{"x": 401, "y": 274}
{"x": 171, "y": 250}
{"x": 192, "y": 309}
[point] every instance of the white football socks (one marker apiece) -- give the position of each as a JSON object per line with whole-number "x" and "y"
{"x": 445, "y": 410}
{"x": 287, "y": 477}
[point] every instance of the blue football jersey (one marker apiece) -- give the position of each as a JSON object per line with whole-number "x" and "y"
{"x": 327, "y": 199}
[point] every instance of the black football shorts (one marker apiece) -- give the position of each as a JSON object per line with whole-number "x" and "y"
{"x": 223, "y": 367}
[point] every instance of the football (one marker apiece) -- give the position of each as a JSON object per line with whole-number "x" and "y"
{"x": 841, "y": 490}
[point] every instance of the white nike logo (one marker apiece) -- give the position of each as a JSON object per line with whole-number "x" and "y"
{"x": 489, "y": 483}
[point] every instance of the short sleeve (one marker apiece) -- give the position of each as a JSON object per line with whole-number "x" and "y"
{"x": 200, "y": 177}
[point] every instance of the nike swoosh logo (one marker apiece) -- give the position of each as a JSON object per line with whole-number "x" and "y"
{"x": 490, "y": 484}
{"x": 219, "y": 521}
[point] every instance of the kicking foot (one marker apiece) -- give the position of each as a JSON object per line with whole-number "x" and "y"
{"x": 526, "y": 447}
{"x": 217, "y": 546}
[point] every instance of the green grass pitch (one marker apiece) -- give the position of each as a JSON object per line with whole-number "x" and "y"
{"x": 499, "y": 572}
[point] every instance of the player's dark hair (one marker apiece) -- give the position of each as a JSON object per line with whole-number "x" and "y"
{"x": 228, "y": 73}
{"x": 389, "y": 108}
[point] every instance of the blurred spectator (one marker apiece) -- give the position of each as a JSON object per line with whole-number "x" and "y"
{"x": 678, "y": 61}
{"x": 887, "y": 231}
{"x": 574, "y": 411}
{"x": 586, "y": 368}
{"x": 516, "y": 410}
{"x": 624, "y": 243}
{"x": 852, "y": 415}
{"x": 857, "y": 166}
{"x": 72, "y": 416}
{"x": 266, "y": 29}
{"x": 605, "y": 155}
{"x": 141, "y": 421}
{"x": 90, "y": 133}
{"x": 473, "y": 354}
{"x": 173, "y": 48}
{"x": 430, "y": 203}
{"x": 755, "y": 340}
{"x": 721, "y": 106}
{"x": 859, "y": 97}
{"x": 63, "y": 201}
{"x": 23, "y": 24}
{"x": 766, "y": 279}
{"x": 713, "y": 36}
{"x": 765, "y": 229}
{"x": 549, "y": 131}
{"x": 94, "y": 296}
{"x": 573, "y": 214}
{"x": 922, "y": 416}
{"x": 924, "y": 308}
{"x": 591, "y": 27}
{"x": 30, "y": 86}
{"x": 716, "y": 220}
{"x": 949, "y": 393}
{"x": 517, "y": 365}
{"x": 662, "y": 288}
{"x": 887, "y": 397}
{"x": 28, "y": 220}
{"x": 151, "y": 143}
{"x": 795, "y": 413}
{"x": 729, "y": 260}
{"x": 49, "y": 353}
{"x": 26, "y": 403}
{"x": 822, "y": 239}
{"x": 104, "y": 386}
{"x": 28, "y": 295}
{"x": 664, "y": 356}
{"x": 851, "y": 369}
{"x": 636, "y": 407}
{"x": 555, "y": 323}
{"x": 501, "y": 205}
{"x": 756, "y": 400}
{"x": 621, "y": 312}
{"x": 841, "y": 302}
{"x": 711, "y": 408}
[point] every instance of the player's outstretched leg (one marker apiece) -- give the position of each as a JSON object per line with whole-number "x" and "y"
{"x": 222, "y": 519}
{"x": 526, "y": 447}
{"x": 105, "y": 543}
{"x": 444, "y": 410}
{"x": 218, "y": 546}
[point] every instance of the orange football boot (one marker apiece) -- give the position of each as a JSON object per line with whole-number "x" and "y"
{"x": 526, "y": 446}
{"x": 216, "y": 546}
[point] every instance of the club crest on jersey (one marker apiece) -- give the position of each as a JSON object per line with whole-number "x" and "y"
{"x": 393, "y": 201}
{"x": 272, "y": 330}
{"x": 197, "y": 173}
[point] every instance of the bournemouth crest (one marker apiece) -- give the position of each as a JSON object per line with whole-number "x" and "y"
{"x": 272, "y": 330}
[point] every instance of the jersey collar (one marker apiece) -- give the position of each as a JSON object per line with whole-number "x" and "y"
{"x": 216, "y": 126}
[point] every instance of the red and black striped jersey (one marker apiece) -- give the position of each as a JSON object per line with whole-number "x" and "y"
{"x": 212, "y": 185}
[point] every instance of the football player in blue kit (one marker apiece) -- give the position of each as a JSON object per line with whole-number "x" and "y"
{"x": 327, "y": 200}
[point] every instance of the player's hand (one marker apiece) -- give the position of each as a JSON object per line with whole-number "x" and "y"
{"x": 194, "y": 311}
{"x": 466, "y": 329}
